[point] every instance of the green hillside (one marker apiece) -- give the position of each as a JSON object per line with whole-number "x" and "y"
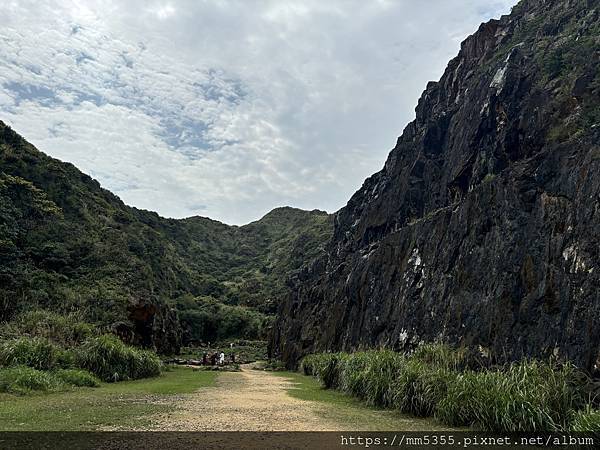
{"x": 71, "y": 247}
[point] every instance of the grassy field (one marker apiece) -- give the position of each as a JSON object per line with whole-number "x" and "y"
{"x": 123, "y": 404}
{"x": 352, "y": 412}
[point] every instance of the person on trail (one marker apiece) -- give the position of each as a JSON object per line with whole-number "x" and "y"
{"x": 205, "y": 359}
{"x": 222, "y": 358}
{"x": 213, "y": 359}
{"x": 233, "y": 358}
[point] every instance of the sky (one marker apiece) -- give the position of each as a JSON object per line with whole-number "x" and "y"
{"x": 225, "y": 108}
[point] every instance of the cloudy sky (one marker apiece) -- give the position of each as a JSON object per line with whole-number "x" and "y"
{"x": 225, "y": 108}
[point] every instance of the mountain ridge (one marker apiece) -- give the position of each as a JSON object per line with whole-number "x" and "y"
{"x": 67, "y": 244}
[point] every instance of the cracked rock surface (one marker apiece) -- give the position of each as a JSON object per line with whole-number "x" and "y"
{"x": 483, "y": 227}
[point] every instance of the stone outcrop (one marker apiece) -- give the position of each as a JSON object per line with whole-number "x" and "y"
{"x": 483, "y": 227}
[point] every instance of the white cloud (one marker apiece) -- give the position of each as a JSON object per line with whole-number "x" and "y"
{"x": 225, "y": 108}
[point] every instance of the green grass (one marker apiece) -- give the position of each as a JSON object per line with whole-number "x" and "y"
{"x": 587, "y": 421}
{"x": 77, "y": 377}
{"x": 111, "y": 360}
{"x": 37, "y": 353}
{"x": 126, "y": 404}
{"x": 435, "y": 381}
{"x": 351, "y": 412}
{"x": 23, "y": 380}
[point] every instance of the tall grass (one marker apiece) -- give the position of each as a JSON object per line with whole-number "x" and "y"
{"x": 22, "y": 379}
{"x": 379, "y": 371}
{"x": 77, "y": 377}
{"x": 441, "y": 355}
{"x": 526, "y": 396}
{"x": 432, "y": 381}
{"x": 586, "y": 421}
{"x": 67, "y": 330}
{"x": 38, "y": 353}
{"x": 355, "y": 373}
{"x": 111, "y": 360}
{"x": 458, "y": 406}
{"x": 104, "y": 357}
{"x": 420, "y": 388}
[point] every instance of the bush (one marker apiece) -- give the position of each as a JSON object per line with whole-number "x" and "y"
{"x": 65, "y": 359}
{"x": 145, "y": 364}
{"x": 77, "y": 377}
{"x": 37, "y": 353}
{"x": 22, "y": 379}
{"x": 206, "y": 320}
{"x": 111, "y": 360}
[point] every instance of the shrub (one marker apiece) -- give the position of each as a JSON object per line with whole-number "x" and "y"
{"x": 22, "y": 379}
{"x": 77, "y": 377}
{"x": 205, "y": 319}
{"x": 37, "y": 353}
{"x": 145, "y": 364}
{"x": 111, "y": 360}
{"x": 65, "y": 359}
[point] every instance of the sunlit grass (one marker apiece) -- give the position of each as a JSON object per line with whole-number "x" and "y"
{"x": 124, "y": 404}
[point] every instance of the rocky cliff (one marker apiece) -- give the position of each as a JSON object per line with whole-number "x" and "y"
{"x": 483, "y": 227}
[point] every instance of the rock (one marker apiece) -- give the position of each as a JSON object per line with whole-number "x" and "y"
{"x": 155, "y": 326}
{"x": 482, "y": 229}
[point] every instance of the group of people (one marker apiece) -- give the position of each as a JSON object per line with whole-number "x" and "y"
{"x": 216, "y": 358}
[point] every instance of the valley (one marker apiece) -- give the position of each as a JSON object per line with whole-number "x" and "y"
{"x": 458, "y": 288}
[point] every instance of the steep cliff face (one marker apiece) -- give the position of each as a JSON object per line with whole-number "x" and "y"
{"x": 483, "y": 227}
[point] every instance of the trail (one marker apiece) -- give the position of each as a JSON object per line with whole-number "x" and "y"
{"x": 251, "y": 400}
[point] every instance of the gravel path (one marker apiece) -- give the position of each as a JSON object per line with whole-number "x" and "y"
{"x": 251, "y": 400}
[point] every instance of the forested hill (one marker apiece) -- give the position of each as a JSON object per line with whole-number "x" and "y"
{"x": 71, "y": 247}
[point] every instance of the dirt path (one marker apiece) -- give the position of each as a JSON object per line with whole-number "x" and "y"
{"x": 251, "y": 400}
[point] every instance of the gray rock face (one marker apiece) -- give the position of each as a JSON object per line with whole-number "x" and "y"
{"x": 483, "y": 227}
